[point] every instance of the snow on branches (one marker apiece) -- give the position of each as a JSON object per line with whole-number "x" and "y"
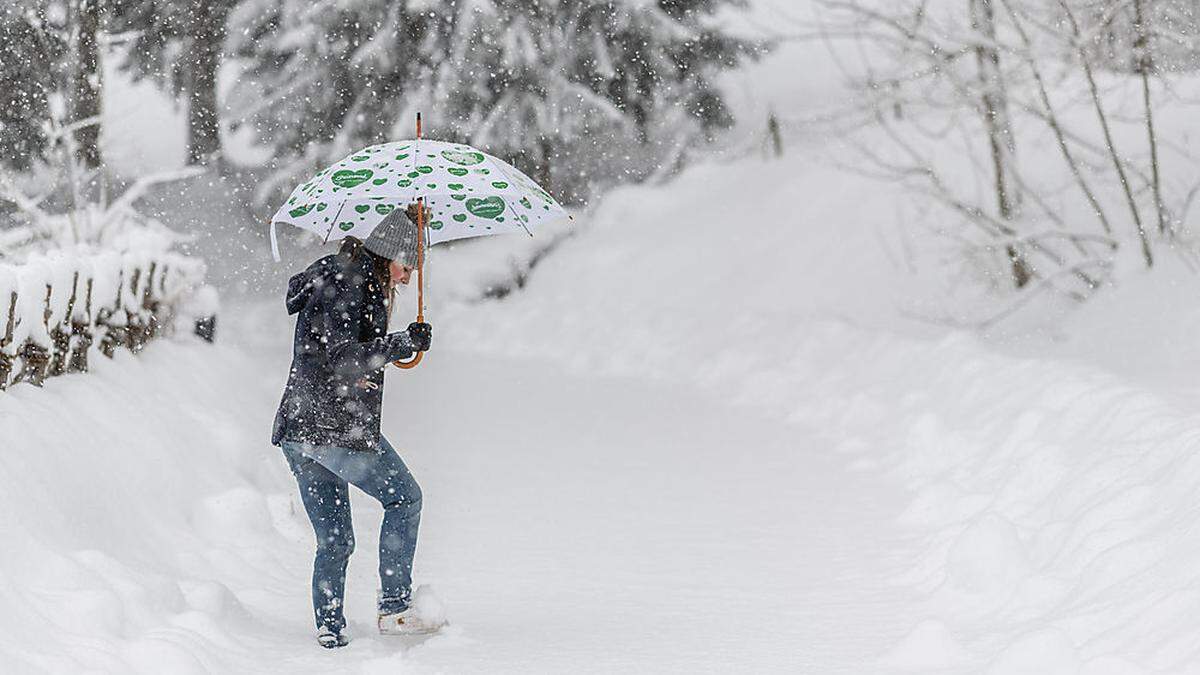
{"x": 96, "y": 279}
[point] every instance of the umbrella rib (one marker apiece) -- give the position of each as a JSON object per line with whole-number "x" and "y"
{"x": 516, "y": 215}
{"x": 511, "y": 181}
{"x": 333, "y": 222}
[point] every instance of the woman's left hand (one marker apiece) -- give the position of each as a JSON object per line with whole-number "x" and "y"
{"x": 421, "y": 335}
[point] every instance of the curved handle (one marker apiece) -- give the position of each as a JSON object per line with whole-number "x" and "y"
{"x": 409, "y": 365}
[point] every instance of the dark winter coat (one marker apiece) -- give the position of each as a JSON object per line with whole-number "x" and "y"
{"x": 335, "y": 390}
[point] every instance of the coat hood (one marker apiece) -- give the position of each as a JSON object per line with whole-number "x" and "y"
{"x": 327, "y": 270}
{"x": 302, "y": 285}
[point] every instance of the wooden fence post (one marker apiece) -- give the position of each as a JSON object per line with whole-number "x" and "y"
{"x": 6, "y": 360}
{"x": 81, "y": 334}
{"x": 60, "y": 335}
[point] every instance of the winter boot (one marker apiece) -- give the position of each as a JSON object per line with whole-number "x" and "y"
{"x": 424, "y": 615}
{"x": 408, "y": 622}
{"x": 331, "y": 640}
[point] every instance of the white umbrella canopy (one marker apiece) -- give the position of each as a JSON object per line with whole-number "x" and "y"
{"x": 470, "y": 194}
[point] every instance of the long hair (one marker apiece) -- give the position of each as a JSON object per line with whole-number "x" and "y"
{"x": 352, "y": 248}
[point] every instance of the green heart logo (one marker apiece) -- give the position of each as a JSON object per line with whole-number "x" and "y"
{"x": 346, "y": 227}
{"x": 404, "y": 156}
{"x": 361, "y": 158}
{"x": 525, "y": 203}
{"x": 435, "y": 225}
{"x": 349, "y": 179}
{"x": 458, "y": 172}
{"x": 458, "y": 198}
{"x": 302, "y": 211}
{"x": 455, "y": 186}
{"x": 321, "y": 206}
{"x": 384, "y": 209}
{"x": 500, "y": 185}
{"x": 404, "y": 182}
{"x": 460, "y": 217}
{"x": 363, "y": 208}
{"x": 483, "y": 171}
{"x": 431, "y": 186}
{"x": 463, "y": 158}
{"x": 425, "y": 169}
{"x": 379, "y": 181}
{"x": 491, "y": 207}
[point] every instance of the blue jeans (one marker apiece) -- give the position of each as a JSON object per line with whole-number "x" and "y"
{"x": 323, "y": 472}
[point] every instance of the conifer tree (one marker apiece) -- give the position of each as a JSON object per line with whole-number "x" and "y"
{"x": 179, "y": 44}
{"x": 562, "y": 87}
{"x": 32, "y": 52}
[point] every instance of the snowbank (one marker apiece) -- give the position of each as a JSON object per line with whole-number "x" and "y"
{"x": 112, "y": 507}
{"x": 1053, "y": 502}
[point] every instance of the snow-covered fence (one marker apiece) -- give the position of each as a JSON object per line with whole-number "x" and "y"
{"x": 56, "y": 310}
{"x": 96, "y": 278}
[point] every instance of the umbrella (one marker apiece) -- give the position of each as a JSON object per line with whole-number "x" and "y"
{"x": 468, "y": 193}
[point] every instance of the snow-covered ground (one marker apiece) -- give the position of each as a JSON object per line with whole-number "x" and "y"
{"x": 594, "y": 523}
{"x": 731, "y": 455}
{"x": 707, "y": 436}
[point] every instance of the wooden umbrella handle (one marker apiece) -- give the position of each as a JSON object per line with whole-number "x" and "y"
{"x": 408, "y": 365}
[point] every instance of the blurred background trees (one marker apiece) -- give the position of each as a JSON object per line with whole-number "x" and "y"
{"x": 581, "y": 94}
{"x": 1033, "y": 122}
{"x": 536, "y": 82}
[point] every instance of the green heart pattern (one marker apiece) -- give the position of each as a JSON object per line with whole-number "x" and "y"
{"x": 349, "y": 179}
{"x": 405, "y": 172}
{"x": 490, "y": 207}
{"x": 463, "y": 158}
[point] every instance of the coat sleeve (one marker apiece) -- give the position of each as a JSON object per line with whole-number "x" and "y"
{"x": 350, "y": 357}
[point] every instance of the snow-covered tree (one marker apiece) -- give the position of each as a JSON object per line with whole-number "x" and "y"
{"x": 179, "y": 44}
{"x": 1050, "y": 78}
{"x": 32, "y": 49}
{"x": 537, "y": 82}
{"x": 86, "y": 78}
{"x": 1124, "y": 35}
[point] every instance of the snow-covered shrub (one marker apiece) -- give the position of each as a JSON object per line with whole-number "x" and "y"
{"x": 98, "y": 278}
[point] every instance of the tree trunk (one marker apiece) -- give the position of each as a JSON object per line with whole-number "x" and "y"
{"x": 775, "y": 135}
{"x": 208, "y": 39}
{"x": 85, "y": 98}
{"x": 545, "y": 169}
{"x": 1110, "y": 144}
{"x": 1001, "y": 141}
{"x": 1144, "y": 64}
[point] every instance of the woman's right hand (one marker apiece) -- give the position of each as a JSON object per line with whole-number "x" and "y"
{"x": 421, "y": 334}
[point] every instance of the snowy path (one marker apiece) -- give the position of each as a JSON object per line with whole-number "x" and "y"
{"x": 571, "y": 523}
{"x": 667, "y": 532}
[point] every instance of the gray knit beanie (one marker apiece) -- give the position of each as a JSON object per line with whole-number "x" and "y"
{"x": 395, "y": 239}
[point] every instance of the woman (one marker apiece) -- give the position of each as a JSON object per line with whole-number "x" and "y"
{"x": 328, "y": 421}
